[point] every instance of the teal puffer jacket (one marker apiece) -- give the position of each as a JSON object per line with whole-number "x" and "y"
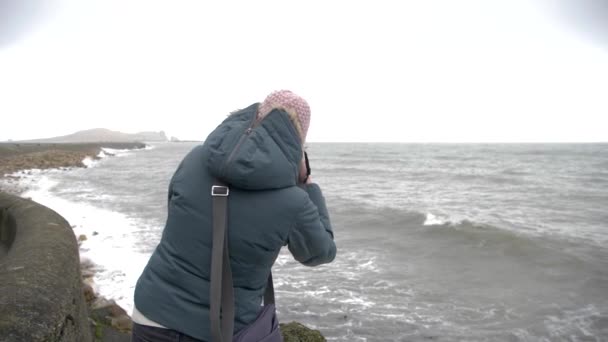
{"x": 266, "y": 211}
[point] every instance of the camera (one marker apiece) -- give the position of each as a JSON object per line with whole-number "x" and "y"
{"x": 307, "y": 164}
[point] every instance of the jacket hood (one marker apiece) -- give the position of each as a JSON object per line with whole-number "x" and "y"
{"x": 253, "y": 154}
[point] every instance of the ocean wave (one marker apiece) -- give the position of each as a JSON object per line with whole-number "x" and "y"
{"x": 484, "y": 236}
{"x": 89, "y": 162}
{"x": 432, "y": 220}
{"x": 584, "y": 322}
{"x": 36, "y": 178}
{"x": 357, "y": 170}
{"x": 438, "y": 228}
{"x": 115, "y": 152}
{"x": 106, "y": 152}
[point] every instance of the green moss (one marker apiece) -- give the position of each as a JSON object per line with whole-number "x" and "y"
{"x": 98, "y": 332}
{"x": 296, "y": 332}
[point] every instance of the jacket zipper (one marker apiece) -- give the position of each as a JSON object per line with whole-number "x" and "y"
{"x": 245, "y": 134}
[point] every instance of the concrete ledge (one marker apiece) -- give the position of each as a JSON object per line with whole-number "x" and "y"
{"x": 40, "y": 288}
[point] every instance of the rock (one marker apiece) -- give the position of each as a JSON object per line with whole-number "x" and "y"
{"x": 122, "y": 323}
{"x": 41, "y": 293}
{"x": 108, "y": 306}
{"x": 47, "y": 155}
{"x": 104, "y": 333}
{"x": 87, "y": 269}
{"x": 87, "y": 274}
{"x": 296, "y": 332}
{"x": 86, "y": 263}
{"x": 109, "y": 322}
{"x": 82, "y": 237}
{"x": 95, "y": 233}
{"x": 89, "y": 293}
{"x": 103, "y": 310}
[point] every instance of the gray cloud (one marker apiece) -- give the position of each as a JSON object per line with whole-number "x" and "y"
{"x": 18, "y": 17}
{"x": 587, "y": 17}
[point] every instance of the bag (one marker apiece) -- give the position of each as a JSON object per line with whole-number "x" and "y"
{"x": 265, "y": 328}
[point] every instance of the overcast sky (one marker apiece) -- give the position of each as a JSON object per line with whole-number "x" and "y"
{"x": 411, "y": 71}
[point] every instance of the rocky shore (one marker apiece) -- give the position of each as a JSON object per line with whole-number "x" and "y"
{"x": 108, "y": 321}
{"x": 27, "y": 156}
{"x": 24, "y": 156}
{"x": 15, "y": 157}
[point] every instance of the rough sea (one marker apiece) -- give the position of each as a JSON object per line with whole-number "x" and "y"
{"x": 436, "y": 242}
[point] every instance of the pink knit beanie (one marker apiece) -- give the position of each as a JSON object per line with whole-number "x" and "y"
{"x": 294, "y": 105}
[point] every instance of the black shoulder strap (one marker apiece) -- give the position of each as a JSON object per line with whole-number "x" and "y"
{"x": 222, "y": 289}
{"x": 220, "y": 270}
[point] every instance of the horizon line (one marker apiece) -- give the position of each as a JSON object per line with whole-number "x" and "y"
{"x": 346, "y": 142}
{"x": 438, "y": 142}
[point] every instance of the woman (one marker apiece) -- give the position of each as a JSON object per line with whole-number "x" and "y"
{"x": 273, "y": 202}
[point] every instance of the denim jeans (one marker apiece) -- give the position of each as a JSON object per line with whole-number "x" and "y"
{"x": 144, "y": 333}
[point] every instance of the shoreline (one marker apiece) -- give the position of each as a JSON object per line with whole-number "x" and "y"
{"x": 108, "y": 320}
{"x": 25, "y": 157}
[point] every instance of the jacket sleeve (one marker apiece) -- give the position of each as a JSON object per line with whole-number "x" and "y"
{"x": 311, "y": 242}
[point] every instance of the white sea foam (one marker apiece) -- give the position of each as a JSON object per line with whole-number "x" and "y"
{"x": 574, "y": 322}
{"x": 116, "y": 152}
{"x": 368, "y": 266}
{"x": 35, "y": 178}
{"x": 106, "y": 152}
{"x": 432, "y": 220}
{"x": 356, "y": 301}
{"x": 111, "y": 241}
{"x": 89, "y": 162}
{"x": 25, "y": 173}
{"x": 102, "y": 154}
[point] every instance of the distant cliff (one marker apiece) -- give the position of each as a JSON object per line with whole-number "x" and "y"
{"x": 105, "y": 135}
